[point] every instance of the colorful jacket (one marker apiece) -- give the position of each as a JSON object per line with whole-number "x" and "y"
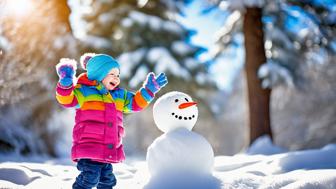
{"x": 98, "y": 129}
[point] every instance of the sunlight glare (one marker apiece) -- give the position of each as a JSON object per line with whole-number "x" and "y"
{"x": 18, "y": 7}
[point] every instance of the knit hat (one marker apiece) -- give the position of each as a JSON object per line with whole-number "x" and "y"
{"x": 98, "y": 66}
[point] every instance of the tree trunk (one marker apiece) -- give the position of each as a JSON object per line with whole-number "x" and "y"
{"x": 63, "y": 11}
{"x": 259, "y": 99}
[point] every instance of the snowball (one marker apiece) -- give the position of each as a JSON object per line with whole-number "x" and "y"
{"x": 180, "y": 150}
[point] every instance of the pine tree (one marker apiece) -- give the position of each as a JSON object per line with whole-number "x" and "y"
{"x": 144, "y": 37}
{"x": 295, "y": 31}
{"x": 259, "y": 98}
{"x": 37, "y": 34}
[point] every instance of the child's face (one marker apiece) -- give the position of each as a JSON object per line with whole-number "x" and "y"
{"x": 112, "y": 79}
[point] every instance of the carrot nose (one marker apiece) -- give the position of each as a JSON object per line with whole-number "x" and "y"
{"x": 186, "y": 105}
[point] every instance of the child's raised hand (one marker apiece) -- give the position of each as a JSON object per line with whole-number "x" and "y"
{"x": 66, "y": 71}
{"x": 155, "y": 83}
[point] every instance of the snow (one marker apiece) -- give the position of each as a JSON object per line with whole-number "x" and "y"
{"x": 315, "y": 168}
{"x": 264, "y": 146}
{"x": 202, "y": 78}
{"x": 277, "y": 35}
{"x": 127, "y": 22}
{"x": 59, "y": 123}
{"x": 301, "y": 24}
{"x": 230, "y": 24}
{"x": 181, "y": 48}
{"x": 234, "y": 5}
{"x": 254, "y": 3}
{"x": 142, "y": 3}
{"x": 179, "y": 151}
{"x": 328, "y": 4}
{"x": 318, "y": 56}
{"x": 139, "y": 76}
{"x": 161, "y": 60}
{"x": 160, "y": 57}
{"x": 97, "y": 42}
{"x": 167, "y": 62}
{"x": 173, "y": 27}
{"x": 5, "y": 44}
{"x": 129, "y": 60}
{"x": 190, "y": 63}
{"x": 138, "y": 17}
{"x": 241, "y": 4}
{"x": 272, "y": 74}
{"x": 13, "y": 134}
{"x": 154, "y": 22}
{"x": 105, "y": 18}
{"x": 333, "y": 45}
{"x": 78, "y": 9}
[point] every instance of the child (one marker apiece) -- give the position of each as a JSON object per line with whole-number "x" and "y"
{"x": 100, "y": 104}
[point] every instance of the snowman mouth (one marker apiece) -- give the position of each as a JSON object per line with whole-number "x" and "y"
{"x": 182, "y": 117}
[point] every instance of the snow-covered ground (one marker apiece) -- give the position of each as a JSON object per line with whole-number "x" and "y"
{"x": 288, "y": 170}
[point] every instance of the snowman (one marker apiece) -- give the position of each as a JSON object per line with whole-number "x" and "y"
{"x": 178, "y": 150}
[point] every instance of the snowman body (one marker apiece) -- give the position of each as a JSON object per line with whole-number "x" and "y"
{"x": 179, "y": 149}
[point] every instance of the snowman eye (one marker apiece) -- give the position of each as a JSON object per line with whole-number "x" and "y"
{"x": 176, "y": 100}
{"x": 186, "y": 99}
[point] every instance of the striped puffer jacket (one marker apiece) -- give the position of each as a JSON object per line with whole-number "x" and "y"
{"x": 98, "y": 130}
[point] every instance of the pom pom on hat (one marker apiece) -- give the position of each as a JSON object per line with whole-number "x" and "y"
{"x": 84, "y": 59}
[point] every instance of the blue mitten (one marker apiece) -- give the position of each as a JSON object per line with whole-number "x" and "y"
{"x": 66, "y": 71}
{"x": 154, "y": 84}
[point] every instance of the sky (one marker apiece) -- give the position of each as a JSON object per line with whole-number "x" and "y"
{"x": 205, "y": 24}
{"x": 225, "y": 68}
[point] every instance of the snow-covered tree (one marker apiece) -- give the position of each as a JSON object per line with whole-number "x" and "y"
{"x": 34, "y": 35}
{"x": 299, "y": 35}
{"x": 252, "y": 27}
{"x": 292, "y": 29}
{"x": 144, "y": 36}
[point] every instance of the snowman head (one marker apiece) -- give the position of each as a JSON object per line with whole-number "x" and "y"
{"x": 175, "y": 110}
